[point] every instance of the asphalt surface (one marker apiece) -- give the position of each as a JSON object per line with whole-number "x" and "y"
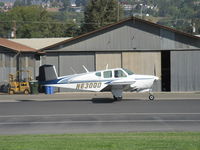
{"x": 80, "y": 113}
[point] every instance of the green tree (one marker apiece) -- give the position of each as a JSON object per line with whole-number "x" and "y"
{"x": 99, "y": 13}
{"x": 5, "y": 26}
{"x": 1, "y": 4}
{"x": 66, "y": 4}
{"x": 36, "y": 22}
{"x": 186, "y": 12}
{"x": 22, "y": 3}
{"x": 81, "y": 2}
{"x": 31, "y": 21}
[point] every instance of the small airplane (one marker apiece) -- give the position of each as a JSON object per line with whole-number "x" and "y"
{"x": 115, "y": 80}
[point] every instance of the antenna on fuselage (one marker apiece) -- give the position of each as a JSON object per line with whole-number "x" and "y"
{"x": 154, "y": 70}
{"x": 73, "y": 70}
{"x": 107, "y": 67}
{"x": 85, "y": 69}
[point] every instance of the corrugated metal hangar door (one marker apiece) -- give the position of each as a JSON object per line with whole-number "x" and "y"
{"x": 52, "y": 59}
{"x": 185, "y": 71}
{"x": 148, "y": 63}
{"x": 70, "y": 63}
{"x": 112, "y": 59}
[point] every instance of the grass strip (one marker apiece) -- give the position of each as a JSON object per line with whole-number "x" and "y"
{"x": 104, "y": 141}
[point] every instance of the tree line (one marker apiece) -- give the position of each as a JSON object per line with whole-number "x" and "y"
{"x": 180, "y": 14}
{"x": 34, "y": 21}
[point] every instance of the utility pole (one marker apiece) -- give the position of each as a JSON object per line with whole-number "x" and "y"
{"x": 141, "y": 10}
{"x": 14, "y": 30}
{"x": 193, "y": 28}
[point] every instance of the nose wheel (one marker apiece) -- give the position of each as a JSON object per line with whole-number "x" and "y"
{"x": 151, "y": 97}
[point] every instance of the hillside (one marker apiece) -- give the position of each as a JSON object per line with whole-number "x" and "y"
{"x": 181, "y": 14}
{"x": 67, "y": 19}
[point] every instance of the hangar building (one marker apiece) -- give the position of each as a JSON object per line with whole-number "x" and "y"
{"x": 21, "y": 54}
{"x": 13, "y": 57}
{"x": 141, "y": 46}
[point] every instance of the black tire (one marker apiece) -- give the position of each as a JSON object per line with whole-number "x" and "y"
{"x": 117, "y": 98}
{"x": 151, "y": 97}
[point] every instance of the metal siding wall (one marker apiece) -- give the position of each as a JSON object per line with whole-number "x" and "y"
{"x": 75, "y": 61}
{"x": 144, "y": 36}
{"x": 142, "y": 62}
{"x": 43, "y": 59}
{"x": 186, "y": 42}
{"x": 112, "y": 59}
{"x": 148, "y": 63}
{"x": 131, "y": 35}
{"x": 6, "y": 68}
{"x": 168, "y": 39}
{"x": 128, "y": 36}
{"x": 52, "y": 59}
{"x": 182, "y": 42}
{"x": 145, "y": 40}
{"x": 27, "y": 62}
{"x": 185, "y": 71}
{"x": 37, "y": 65}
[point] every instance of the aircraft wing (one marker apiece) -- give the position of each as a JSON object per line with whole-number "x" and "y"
{"x": 121, "y": 82}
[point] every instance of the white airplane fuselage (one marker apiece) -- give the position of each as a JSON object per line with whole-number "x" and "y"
{"x": 115, "y": 80}
{"x": 91, "y": 82}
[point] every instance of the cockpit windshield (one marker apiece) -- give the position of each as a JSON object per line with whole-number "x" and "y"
{"x": 128, "y": 71}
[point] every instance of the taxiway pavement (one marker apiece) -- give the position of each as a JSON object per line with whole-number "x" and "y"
{"x": 85, "y": 113}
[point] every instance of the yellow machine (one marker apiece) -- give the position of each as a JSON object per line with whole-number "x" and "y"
{"x": 17, "y": 85}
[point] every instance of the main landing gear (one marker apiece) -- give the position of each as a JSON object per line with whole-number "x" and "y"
{"x": 117, "y": 92}
{"x": 117, "y": 98}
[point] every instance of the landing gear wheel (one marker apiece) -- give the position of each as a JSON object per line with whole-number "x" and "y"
{"x": 117, "y": 98}
{"x": 151, "y": 97}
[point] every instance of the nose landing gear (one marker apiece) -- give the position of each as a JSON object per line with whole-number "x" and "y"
{"x": 151, "y": 97}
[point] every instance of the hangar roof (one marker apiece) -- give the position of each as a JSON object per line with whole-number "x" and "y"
{"x": 121, "y": 22}
{"x": 15, "y": 46}
{"x": 38, "y": 43}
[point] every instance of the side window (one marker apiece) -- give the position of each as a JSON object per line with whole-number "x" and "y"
{"x": 98, "y": 74}
{"x": 107, "y": 74}
{"x": 119, "y": 74}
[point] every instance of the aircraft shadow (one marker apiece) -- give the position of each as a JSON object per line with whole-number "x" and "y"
{"x": 103, "y": 100}
{"x": 93, "y": 100}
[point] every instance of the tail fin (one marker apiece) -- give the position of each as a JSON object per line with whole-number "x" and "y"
{"x": 47, "y": 72}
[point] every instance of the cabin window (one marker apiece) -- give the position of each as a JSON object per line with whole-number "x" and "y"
{"x": 128, "y": 71}
{"x": 107, "y": 74}
{"x": 98, "y": 74}
{"x": 119, "y": 74}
